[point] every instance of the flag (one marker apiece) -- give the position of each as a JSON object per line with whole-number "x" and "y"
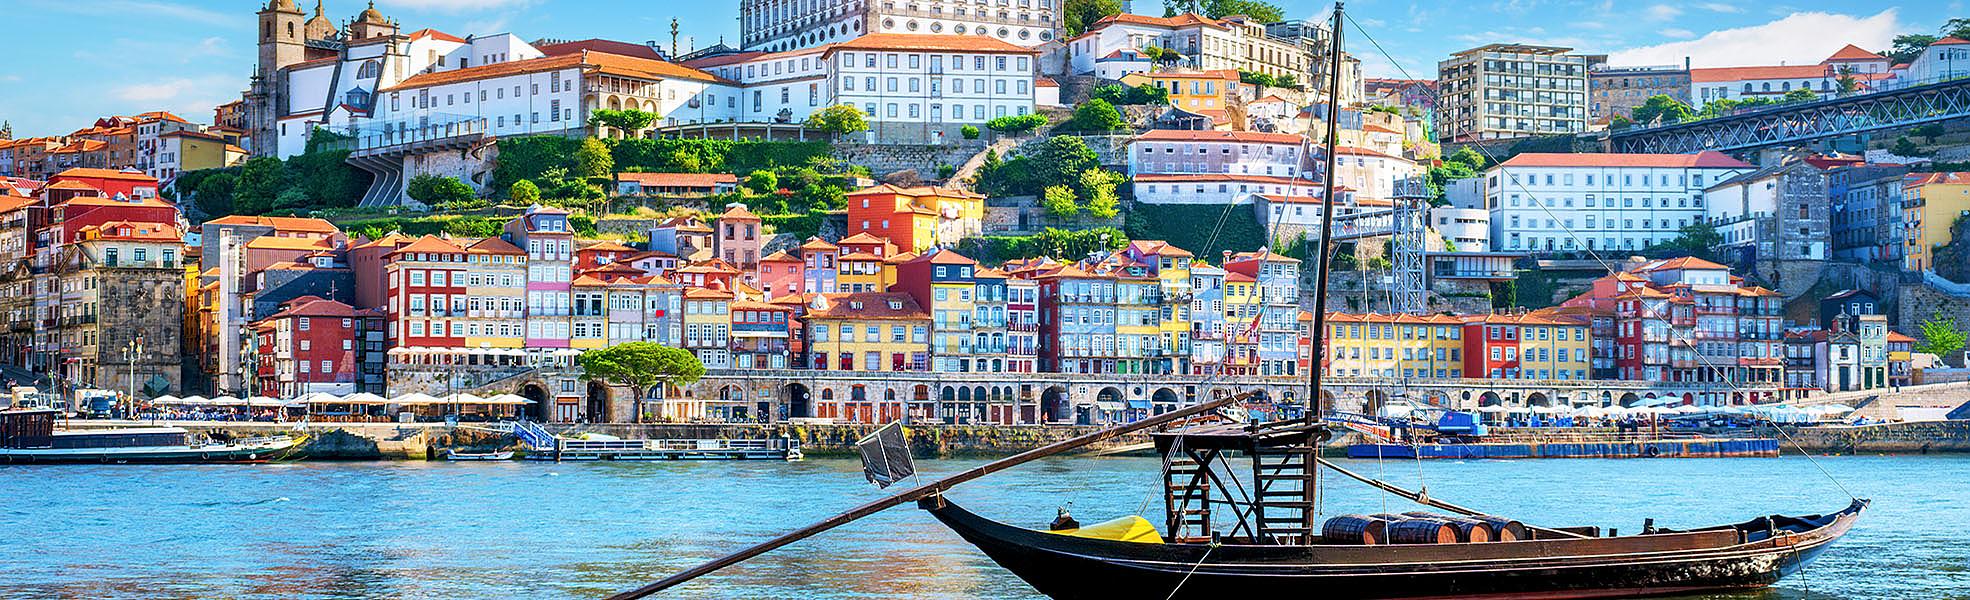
{"x": 886, "y": 455}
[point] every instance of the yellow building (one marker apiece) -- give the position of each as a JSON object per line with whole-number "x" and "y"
{"x": 496, "y": 292}
{"x": 1552, "y": 344}
{"x": 1172, "y": 268}
{"x": 1203, "y": 92}
{"x": 917, "y": 218}
{"x": 708, "y": 326}
{"x": 1408, "y": 346}
{"x": 1930, "y": 204}
{"x": 881, "y": 331}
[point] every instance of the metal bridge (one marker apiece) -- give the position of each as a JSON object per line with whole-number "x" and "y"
{"x": 1915, "y": 104}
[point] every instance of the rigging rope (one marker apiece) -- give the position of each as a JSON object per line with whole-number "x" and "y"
{"x": 1193, "y": 570}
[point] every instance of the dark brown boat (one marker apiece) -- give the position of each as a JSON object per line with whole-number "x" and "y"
{"x": 1265, "y": 548}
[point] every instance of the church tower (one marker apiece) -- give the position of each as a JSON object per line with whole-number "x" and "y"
{"x": 371, "y": 24}
{"x": 319, "y": 27}
{"x": 283, "y": 41}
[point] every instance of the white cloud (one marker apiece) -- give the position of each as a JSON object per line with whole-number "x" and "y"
{"x": 1720, "y": 7}
{"x": 1661, "y": 12}
{"x": 190, "y": 97}
{"x": 1678, "y": 33}
{"x": 1799, "y": 38}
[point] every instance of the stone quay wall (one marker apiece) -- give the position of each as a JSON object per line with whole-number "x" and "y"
{"x": 1921, "y": 437}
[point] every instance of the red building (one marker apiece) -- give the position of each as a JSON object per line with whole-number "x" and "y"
{"x": 426, "y": 291}
{"x": 313, "y": 345}
{"x": 1491, "y": 347}
{"x": 781, "y": 275}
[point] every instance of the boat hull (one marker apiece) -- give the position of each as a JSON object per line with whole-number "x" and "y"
{"x": 1066, "y": 568}
{"x": 150, "y": 454}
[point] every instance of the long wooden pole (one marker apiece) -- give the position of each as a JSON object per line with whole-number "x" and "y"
{"x": 923, "y": 491}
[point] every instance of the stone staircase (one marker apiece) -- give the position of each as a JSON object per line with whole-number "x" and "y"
{"x": 971, "y": 166}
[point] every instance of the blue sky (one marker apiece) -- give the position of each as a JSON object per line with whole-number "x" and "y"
{"x": 70, "y": 61}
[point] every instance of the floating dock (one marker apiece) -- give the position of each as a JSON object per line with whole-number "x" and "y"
{"x": 1671, "y": 448}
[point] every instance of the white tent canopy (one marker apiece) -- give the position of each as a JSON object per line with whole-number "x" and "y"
{"x": 508, "y": 399}
{"x": 416, "y": 398}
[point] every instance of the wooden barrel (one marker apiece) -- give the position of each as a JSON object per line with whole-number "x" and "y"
{"x": 1422, "y": 531}
{"x": 1469, "y": 530}
{"x": 1503, "y": 529}
{"x": 1355, "y": 530}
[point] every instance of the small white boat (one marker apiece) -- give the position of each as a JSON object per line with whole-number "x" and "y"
{"x": 455, "y": 455}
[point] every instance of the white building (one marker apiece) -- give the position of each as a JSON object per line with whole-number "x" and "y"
{"x": 1467, "y": 229}
{"x": 1372, "y": 174}
{"x": 1203, "y": 188}
{"x": 1943, "y": 59}
{"x": 1109, "y": 47}
{"x": 1572, "y": 202}
{"x": 782, "y": 25}
{"x": 1287, "y": 216}
{"x": 911, "y": 86}
{"x": 1772, "y": 82}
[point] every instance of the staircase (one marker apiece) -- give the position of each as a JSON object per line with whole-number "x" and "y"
{"x": 535, "y": 437}
{"x": 1001, "y": 147}
{"x": 1187, "y": 497}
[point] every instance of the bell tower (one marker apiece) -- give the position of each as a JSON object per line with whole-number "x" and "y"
{"x": 283, "y": 40}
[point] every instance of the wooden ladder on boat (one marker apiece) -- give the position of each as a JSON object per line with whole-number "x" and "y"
{"x": 1187, "y": 500}
{"x": 1281, "y": 510}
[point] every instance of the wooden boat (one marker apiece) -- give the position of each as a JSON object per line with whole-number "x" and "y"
{"x": 29, "y": 436}
{"x": 456, "y": 456}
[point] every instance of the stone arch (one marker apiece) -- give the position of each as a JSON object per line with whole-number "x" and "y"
{"x": 1164, "y": 396}
{"x": 596, "y": 408}
{"x": 1373, "y": 401}
{"x": 1327, "y": 402}
{"x": 1689, "y": 399}
{"x": 1607, "y": 398}
{"x": 1538, "y": 399}
{"x": 1490, "y": 399}
{"x": 1436, "y": 398}
{"x": 1629, "y": 399}
{"x": 950, "y": 394}
{"x": 964, "y": 394}
{"x": 537, "y": 392}
{"x": 1054, "y": 407}
{"x": 800, "y": 401}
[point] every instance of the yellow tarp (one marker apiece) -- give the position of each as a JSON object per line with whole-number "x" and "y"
{"x": 1126, "y": 529}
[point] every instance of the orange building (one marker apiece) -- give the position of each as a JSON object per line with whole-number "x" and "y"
{"x": 916, "y": 218}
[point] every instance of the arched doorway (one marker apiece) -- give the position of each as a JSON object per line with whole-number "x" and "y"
{"x": 732, "y": 404}
{"x": 1164, "y": 400}
{"x": 598, "y": 403}
{"x": 800, "y": 401}
{"x": 1489, "y": 399}
{"x": 1628, "y": 400}
{"x": 1688, "y": 399}
{"x": 1373, "y": 402}
{"x": 537, "y": 411}
{"x": 1538, "y": 399}
{"x": 1053, "y": 405}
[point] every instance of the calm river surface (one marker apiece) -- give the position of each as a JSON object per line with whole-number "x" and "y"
{"x": 579, "y": 530}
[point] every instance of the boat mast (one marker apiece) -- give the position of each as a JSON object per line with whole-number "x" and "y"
{"x": 1318, "y": 343}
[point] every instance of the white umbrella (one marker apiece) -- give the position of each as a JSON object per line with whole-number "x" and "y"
{"x": 227, "y": 401}
{"x": 356, "y": 398}
{"x": 415, "y": 398}
{"x": 508, "y": 399}
{"x": 1836, "y": 409}
{"x": 1494, "y": 409}
{"x": 193, "y": 400}
{"x": 263, "y": 402}
{"x": 164, "y": 399}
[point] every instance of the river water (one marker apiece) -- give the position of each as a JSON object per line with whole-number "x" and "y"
{"x": 580, "y": 530}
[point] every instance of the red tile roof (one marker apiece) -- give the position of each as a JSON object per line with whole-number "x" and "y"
{"x": 866, "y": 305}
{"x": 1183, "y": 20}
{"x": 1852, "y": 52}
{"x": 613, "y": 64}
{"x": 601, "y": 45}
{"x": 1705, "y": 159}
{"x": 278, "y": 223}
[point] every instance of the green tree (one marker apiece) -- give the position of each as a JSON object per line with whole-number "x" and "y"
{"x": 1061, "y": 159}
{"x": 1252, "y": 78}
{"x": 1149, "y": 93}
{"x": 641, "y": 366}
{"x": 838, "y": 119}
{"x": 1698, "y": 239}
{"x": 1904, "y": 147}
{"x": 439, "y": 190}
{"x": 1096, "y": 115}
{"x": 763, "y": 182}
{"x": 261, "y": 181}
{"x": 1662, "y": 109}
{"x": 1929, "y": 132}
{"x": 1059, "y": 202}
{"x": 1909, "y": 46}
{"x": 1286, "y": 81}
{"x": 1016, "y": 123}
{"x": 1799, "y": 95}
{"x": 593, "y": 160}
{"x": 1099, "y": 186}
{"x": 215, "y": 193}
{"x": 627, "y": 121}
{"x": 970, "y": 132}
{"x": 524, "y": 193}
{"x": 1469, "y": 157}
{"x": 1846, "y": 82}
{"x": 1264, "y": 12}
{"x": 1620, "y": 122}
{"x": 1080, "y": 14}
{"x": 1941, "y": 337}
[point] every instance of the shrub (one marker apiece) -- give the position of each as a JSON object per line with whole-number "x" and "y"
{"x": 1016, "y": 123}
{"x": 439, "y": 190}
{"x": 838, "y": 119}
{"x": 763, "y": 182}
{"x": 970, "y": 132}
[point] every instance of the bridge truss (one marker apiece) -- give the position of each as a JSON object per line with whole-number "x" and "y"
{"x": 1907, "y": 107}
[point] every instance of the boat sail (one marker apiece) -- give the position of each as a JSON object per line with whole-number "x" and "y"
{"x": 1224, "y": 538}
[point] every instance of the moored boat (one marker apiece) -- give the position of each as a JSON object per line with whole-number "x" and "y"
{"x": 30, "y": 436}
{"x": 456, "y": 456}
